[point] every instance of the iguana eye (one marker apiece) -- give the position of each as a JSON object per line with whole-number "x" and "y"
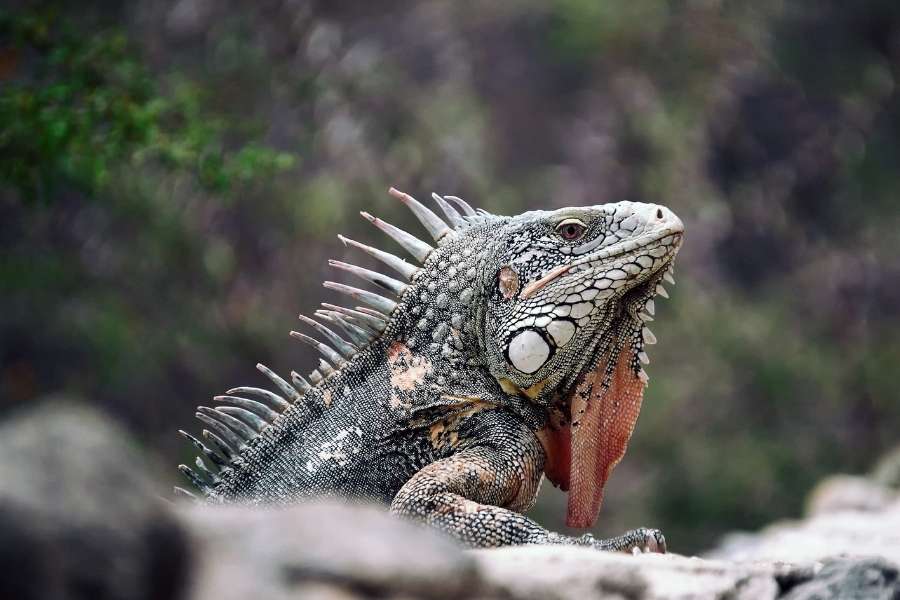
{"x": 571, "y": 229}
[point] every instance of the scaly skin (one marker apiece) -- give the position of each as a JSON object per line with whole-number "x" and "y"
{"x": 449, "y": 413}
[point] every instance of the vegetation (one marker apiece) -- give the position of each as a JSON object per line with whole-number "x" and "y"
{"x": 88, "y": 109}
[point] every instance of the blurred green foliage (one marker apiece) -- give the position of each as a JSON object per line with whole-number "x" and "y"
{"x": 89, "y": 107}
{"x": 158, "y": 230}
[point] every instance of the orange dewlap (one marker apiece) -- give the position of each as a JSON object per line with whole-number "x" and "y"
{"x": 582, "y": 453}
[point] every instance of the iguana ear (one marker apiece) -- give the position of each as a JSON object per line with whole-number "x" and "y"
{"x": 583, "y": 449}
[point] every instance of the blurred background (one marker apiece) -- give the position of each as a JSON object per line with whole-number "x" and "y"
{"x": 173, "y": 174}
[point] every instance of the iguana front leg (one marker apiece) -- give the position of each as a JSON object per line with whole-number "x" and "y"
{"x": 477, "y": 494}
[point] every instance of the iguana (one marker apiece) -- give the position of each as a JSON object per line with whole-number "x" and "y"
{"x": 514, "y": 351}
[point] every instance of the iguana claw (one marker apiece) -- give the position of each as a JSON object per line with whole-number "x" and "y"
{"x": 636, "y": 541}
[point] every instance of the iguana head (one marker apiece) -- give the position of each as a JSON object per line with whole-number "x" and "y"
{"x": 559, "y": 282}
{"x": 567, "y": 293}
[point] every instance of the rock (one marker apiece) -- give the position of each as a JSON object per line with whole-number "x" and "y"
{"x": 887, "y": 471}
{"x": 851, "y": 533}
{"x": 324, "y": 550}
{"x": 848, "y": 579}
{"x": 79, "y": 515}
{"x": 848, "y": 493}
{"x": 570, "y": 573}
{"x": 849, "y": 546}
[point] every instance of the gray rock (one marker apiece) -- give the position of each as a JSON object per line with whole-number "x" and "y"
{"x": 79, "y": 516}
{"x": 848, "y": 579}
{"x": 848, "y": 546}
{"x": 848, "y": 493}
{"x": 887, "y": 471}
{"x": 327, "y": 550}
{"x": 850, "y": 533}
{"x": 570, "y": 573}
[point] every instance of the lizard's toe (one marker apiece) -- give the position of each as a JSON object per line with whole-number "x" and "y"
{"x": 641, "y": 541}
{"x": 636, "y": 541}
{"x": 654, "y": 540}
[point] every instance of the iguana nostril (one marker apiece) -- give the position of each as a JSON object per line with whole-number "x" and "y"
{"x": 659, "y": 214}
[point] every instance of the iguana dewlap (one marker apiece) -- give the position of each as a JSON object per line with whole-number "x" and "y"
{"x": 512, "y": 350}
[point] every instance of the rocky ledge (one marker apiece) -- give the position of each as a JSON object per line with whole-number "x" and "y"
{"x": 80, "y": 518}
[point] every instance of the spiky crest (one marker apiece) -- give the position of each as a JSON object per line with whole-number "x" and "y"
{"x": 243, "y": 412}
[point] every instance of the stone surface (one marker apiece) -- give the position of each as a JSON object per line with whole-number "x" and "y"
{"x": 848, "y": 579}
{"x": 847, "y": 547}
{"x": 847, "y": 533}
{"x": 327, "y": 549}
{"x": 841, "y": 493}
{"x": 572, "y": 573}
{"x": 887, "y": 471}
{"x": 79, "y": 513}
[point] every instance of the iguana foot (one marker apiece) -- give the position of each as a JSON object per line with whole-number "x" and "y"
{"x": 636, "y": 541}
